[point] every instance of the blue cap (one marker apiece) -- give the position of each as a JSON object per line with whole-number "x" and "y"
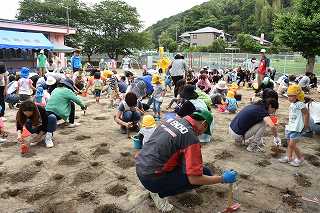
{"x": 39, "y": 92}
{"x": 24, "y": 72}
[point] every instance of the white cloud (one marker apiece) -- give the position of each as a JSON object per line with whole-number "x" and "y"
{"x": 150, "y": 11}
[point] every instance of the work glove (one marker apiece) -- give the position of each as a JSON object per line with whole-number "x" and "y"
{"x": 277, "y": 141}
{"x": 229, "y": 176}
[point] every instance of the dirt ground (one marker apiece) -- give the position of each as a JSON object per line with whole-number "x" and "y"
{"x": 91, "y": 169}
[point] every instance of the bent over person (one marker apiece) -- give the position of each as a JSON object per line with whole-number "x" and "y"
{"x": 170, "y": 162}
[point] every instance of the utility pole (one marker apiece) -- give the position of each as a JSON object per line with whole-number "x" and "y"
{"x": 68, "y": 17}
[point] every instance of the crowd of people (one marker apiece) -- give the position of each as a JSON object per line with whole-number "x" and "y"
{"x": 170, "y": 161}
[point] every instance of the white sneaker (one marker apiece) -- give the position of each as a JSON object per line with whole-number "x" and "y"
{"x": 75, "y": 124}
{"x": 284, "y": 159}
{"x": 48, "y": 140}
{"x": 162, "y": 204}
{"x": 296, "y": 162}
{"x": 2, "y": 140}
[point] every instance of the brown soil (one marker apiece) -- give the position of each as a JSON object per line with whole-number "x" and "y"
{"x": 100, "y": 151}
{"x": 66, "y": 132}
{"x": 1, "y": 162}
{"x": 108, "y": 208}
{"x": 82, "y": 137}
{"x": 263, "y": 163}
{"x": 312, "y": 159}
{"x": 102, "y": 118}
{"x": 29, "y": 154}
{"x": 223, "y": 155}
{"x": 190, "y": 200}
{"x": 25, "y": 174}
{"x": 121, "y": 177}
{"x": 84, "y": 177}
{"x": 8, "y": 144}
{"x": 38, "y": 162}
{"x": 117, "y": 190}
{"x": 60, "y": 207}
{"x": 302, "y": 180}
{"x": 125, "y": 162}
{"x": 40, "y": 192}
{"x": 10, "y": 193}
{"x": 57, "y": 177}
{"x": 70, "y": 158}
{"x": 85, "y": 196}
{"x": 216, "y": 170}
{"x": 125, "y": 154}
{"x": 94, "y": 164}
{"x": 244, "y": 176}
{"x": 291, "y": 198}
{"x": 277, "y": 151}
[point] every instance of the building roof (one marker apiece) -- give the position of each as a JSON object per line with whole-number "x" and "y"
{"x": 32, "y": 26}
{"x": 186, "y": 34}
{"x": 207, "y": 30}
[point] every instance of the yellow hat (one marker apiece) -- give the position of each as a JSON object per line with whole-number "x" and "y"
{"x": 295, "y": 89}
{"x": 148, "y": 121}
{"x": 107, "y": 73}
{"x": 230, "y": 94}
{"x": 156, "y": 79}
{"x": 234, "y": 86}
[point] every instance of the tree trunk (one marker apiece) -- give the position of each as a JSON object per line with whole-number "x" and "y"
{"x": 89, "y": 58}
{"x": 310, "y": 63}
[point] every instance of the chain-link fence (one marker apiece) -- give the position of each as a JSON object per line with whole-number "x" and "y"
{"x": 289, "y": 64}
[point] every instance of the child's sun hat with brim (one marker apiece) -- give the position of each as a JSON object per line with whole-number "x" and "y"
{"x": 148, "y": 121}
{"x": 156, "y": 79}
{"x": 230, "y": 94}
{"x": 24, "y": 72}
{"x": 295, "y": 89}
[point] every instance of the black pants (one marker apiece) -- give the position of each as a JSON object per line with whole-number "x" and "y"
{"x": 2, "y": 103}
{"x": 175, "y": 79}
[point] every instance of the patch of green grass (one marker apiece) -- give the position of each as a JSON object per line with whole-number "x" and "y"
{"x": 293, "y": 66}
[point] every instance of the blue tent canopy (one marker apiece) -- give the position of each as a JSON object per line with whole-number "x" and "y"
{"x": 23, "y": 40}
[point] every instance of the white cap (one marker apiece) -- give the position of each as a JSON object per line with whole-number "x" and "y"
{"x": 263, "y": 51}
{"x": 51, "y": 80}
{"x": 41, "y": 51}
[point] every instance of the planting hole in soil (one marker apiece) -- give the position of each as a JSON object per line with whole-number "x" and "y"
{"x": 82, "y": 137}
{"x": 214, "y": 169}
{"x": 70, "y": 159}
{"x": 117, "y": 190}
{"x": 223, "y": 155}
{"x": 66, "y": 132}
{"x": 125, "y": 162}
{"x": 108, "y": 208}
{"x": 60, "y": 207}
{"x": 94, "y": 164}
{"x": 28, "y": 155}
{"x": 121, "y": 177}
{"x": 244, "y": 176}
{"x": 1, "y": 162}
{"x": 100, "y": 151}
{"x": 302, "y": 180}
{"x": 10, "y": 193}
{"x": 125, "y": 154}
{"x": 25, "y": 174}
{"x": 291, "y": 198}
{"x": 57, "y": 177}
{"x": 263, "y": 163}
{"x": 38, "y": 162}
{"x": 100, "y": 118}
{"x": 190, "y": 200}
{"x": 276, "y": 151}
{"x": 40, "y": 192}
{"x": 312, "y": 159}
{"x": 85, "y": 196}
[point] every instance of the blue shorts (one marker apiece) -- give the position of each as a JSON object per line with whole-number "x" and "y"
{"x": 97, "y": 93}
{"x": 291, "y": 135}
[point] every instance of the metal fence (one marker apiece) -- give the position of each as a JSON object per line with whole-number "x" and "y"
{"x": 288, "y": 64}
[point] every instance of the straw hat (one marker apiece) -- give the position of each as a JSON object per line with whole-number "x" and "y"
{"x": 221, "y": 85}
{"x": 50, "y": 81}
{"x": 148, "y": 121}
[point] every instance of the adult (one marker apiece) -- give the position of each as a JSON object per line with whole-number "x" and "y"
{"x": 249, "y": 125}
{"x": 219, "y": 92}
{"x": 41, "y": 63}
{"x": 129, "y": 113}
{"x": 62, "y": 102}
{"x": 314, "y": 112}
{"x": 3, "y": 87}
{"x": 177, "y": 70}
{"x": 76, "y": 61}
{"x": 170, "y": 162}
{"x": 304, "y": 82}
{"x": 37, "y": 121}
{"x": 12, "y": 97}
{"x": 263, "y": 67}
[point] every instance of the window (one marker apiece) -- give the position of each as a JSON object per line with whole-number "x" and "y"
{"x": 194, "y": 36}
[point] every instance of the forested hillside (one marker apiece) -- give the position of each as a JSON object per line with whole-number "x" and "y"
{"x": 233, "y": 16}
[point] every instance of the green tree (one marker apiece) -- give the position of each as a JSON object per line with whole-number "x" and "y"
{"x": 247, "y": 43}
{"x": 218, "y": 46}
{"x": 167, "y": 42}
{"x": 300, "y": 30}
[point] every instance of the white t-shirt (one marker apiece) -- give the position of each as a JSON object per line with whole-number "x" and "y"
{"x": 304, "y": 81}
{"x": 296, "y": 123}
{"x": 314, "y": 111}
{"x": 25, "y": 86}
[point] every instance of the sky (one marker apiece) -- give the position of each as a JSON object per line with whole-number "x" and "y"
{"x": 150, "y": 11}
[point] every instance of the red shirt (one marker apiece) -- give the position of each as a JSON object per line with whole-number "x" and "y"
{"x": 262, "y": 66}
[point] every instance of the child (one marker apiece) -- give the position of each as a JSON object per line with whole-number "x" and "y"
{"x": 39, "y": 99}
{"x": 3, "y": 134}
{"x": 76, "y": 61}
{"x": 231, "y": 102}
{"x": 41, "y": 62}
{"x": 157, "y": 95}
{"x": 25, "y": 86}
{"x": 97, "y": 86}
{"x": 113, "y": 84}
{"x": 298, "y": 121}
{"x": 122, "y": 85}
{"x": 147, "y": 128}
{"x": 204, "y": 83}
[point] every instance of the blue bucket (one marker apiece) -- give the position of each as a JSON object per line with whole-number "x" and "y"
{"x": 137, "y": 143}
